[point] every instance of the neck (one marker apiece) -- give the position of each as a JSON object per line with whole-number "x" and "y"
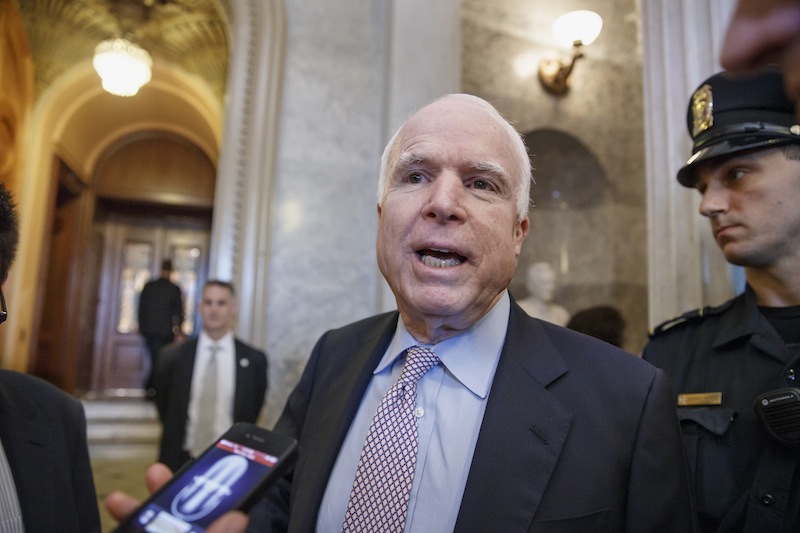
{"x": 433, "y": 329}
{"x": 215, "y": 334}
{"x": 774, "y": 288}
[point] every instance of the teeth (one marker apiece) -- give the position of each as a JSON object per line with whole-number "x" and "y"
{"x": 439, "y": 263}
{"x": 443, "y": 250}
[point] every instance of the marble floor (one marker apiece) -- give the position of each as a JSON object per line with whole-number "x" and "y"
{"x": 123, "y": 439}
{"x": 119, "y": 473}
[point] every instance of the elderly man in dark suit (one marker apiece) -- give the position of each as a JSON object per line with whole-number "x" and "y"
{"x": 521, "y": 425}
{"x": 214, "y": 362}
{"x": 46, "y": 479}
{"x": 459, "y": 412}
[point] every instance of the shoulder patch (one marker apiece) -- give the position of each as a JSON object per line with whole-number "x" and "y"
{"x": 689, "y": 316}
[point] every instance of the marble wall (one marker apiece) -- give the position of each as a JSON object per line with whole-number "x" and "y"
{"x": 587, "y": 147}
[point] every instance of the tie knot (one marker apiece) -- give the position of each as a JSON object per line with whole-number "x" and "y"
{"x": 418, "y": 361}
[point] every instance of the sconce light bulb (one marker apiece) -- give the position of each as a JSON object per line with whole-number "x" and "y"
{"x": 577, "y": 28}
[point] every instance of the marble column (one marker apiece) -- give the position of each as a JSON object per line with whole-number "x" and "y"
{"x": 681, "y": 44}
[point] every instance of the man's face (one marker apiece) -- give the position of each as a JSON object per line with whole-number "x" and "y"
{"x": 751, "y": 200}
{"x": 763, "y": 32}
{"x": 448, "y": 234}
{"x": 217, "y": 310}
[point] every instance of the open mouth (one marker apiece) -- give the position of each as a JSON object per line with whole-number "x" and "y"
{"x": 440, "y": 258}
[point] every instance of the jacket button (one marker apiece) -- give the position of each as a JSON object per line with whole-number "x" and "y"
{"x": 791, "y": 375}
{"x": 767, "y": 499}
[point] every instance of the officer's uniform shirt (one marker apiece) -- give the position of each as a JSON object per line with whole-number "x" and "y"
{"x": 744, "y": 480}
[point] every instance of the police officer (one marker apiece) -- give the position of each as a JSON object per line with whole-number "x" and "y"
{"x": 746, "y": 165}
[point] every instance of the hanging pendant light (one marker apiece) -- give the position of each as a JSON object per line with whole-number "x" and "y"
{"x": 123, "y": 67}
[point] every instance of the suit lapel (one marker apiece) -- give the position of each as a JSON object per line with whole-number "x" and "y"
{"x": 344, "y": 382}
{"x": 27, "y": 447}
{"x": 524, "y": 429}
{"x": 242, "y": 387}
{"x": 185, "y": 367}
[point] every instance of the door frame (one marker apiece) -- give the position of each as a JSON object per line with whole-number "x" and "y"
{"x": 114, "y": 225}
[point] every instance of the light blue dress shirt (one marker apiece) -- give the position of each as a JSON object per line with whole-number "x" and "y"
{"x": 451, "y": 400}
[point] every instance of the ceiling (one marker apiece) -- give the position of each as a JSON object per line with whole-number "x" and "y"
{"x": 189, "y": 35}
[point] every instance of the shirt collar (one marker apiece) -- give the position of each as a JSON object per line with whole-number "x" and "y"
{"x": 471, "y": 357}
{"x": 224, "y": 342}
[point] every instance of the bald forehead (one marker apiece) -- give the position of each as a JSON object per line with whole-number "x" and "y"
{"x": 454, "y": 108}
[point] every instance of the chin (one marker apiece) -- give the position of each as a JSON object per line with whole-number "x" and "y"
{"x": 438, "y": 303}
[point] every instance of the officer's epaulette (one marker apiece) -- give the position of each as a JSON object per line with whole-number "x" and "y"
{"x": 689, "y": 316}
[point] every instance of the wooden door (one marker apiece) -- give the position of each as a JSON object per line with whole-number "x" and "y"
{"x": 133, "y": 252}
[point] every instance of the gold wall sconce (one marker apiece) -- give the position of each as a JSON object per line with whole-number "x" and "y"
{"x": 575, "y": 30}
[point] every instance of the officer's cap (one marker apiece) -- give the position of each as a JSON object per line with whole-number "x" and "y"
{"x": 731, "y": 113}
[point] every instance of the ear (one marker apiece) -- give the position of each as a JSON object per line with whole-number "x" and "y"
{"x": 520, "y": 232}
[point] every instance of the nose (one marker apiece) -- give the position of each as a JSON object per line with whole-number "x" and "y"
{"x": 715, "y": 200}
{"x": 446, "y": 198}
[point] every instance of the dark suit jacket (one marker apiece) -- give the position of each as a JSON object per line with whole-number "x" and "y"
{"x": 577, "y": 435}
{"x": 160, "y": 308}
{"x": 173, "y": 381}
{"x": 43, "y": 431}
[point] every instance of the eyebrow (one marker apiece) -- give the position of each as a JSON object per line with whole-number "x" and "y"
{"x": 408, "y": 159}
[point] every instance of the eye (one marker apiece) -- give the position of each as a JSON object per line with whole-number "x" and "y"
{"x": 482, "y": 184}
{"x": 734, "y": 174}
{"x": 414, "y": 177}
{"x": 737, "y": 173}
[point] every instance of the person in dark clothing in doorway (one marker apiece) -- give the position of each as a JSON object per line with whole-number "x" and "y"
{"x": 160, "y": 317}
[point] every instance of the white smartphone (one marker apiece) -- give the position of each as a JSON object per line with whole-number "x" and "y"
{"x": 231, "y": 474}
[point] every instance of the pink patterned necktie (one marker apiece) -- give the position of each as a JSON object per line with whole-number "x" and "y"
{"x": 379, "y": 499}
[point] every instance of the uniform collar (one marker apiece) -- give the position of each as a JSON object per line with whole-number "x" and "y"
{"x": 744, "y": 320}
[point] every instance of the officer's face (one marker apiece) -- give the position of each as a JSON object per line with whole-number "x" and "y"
{"x": 751, "y": 200}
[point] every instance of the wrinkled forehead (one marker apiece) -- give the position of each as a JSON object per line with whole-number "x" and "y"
{"x": 459, "y": 123}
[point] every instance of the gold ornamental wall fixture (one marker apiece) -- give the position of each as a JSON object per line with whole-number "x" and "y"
{"x": 574, "y": 30}
{"x": 122, "y": 66}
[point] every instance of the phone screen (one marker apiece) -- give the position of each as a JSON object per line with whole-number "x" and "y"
{"x": 223, "y": 478}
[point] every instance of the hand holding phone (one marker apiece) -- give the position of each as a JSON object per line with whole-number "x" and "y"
{"x": 231, "y": 474}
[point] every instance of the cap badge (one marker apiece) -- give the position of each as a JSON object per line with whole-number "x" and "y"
{"x": 702, "y": 110}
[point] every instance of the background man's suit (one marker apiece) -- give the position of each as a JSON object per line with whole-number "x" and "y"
{"x": 173, "y": 382}
{"x": 160, "y": 316}
{"x": 565, "y": 444}
{"x": 43, "y": 431}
